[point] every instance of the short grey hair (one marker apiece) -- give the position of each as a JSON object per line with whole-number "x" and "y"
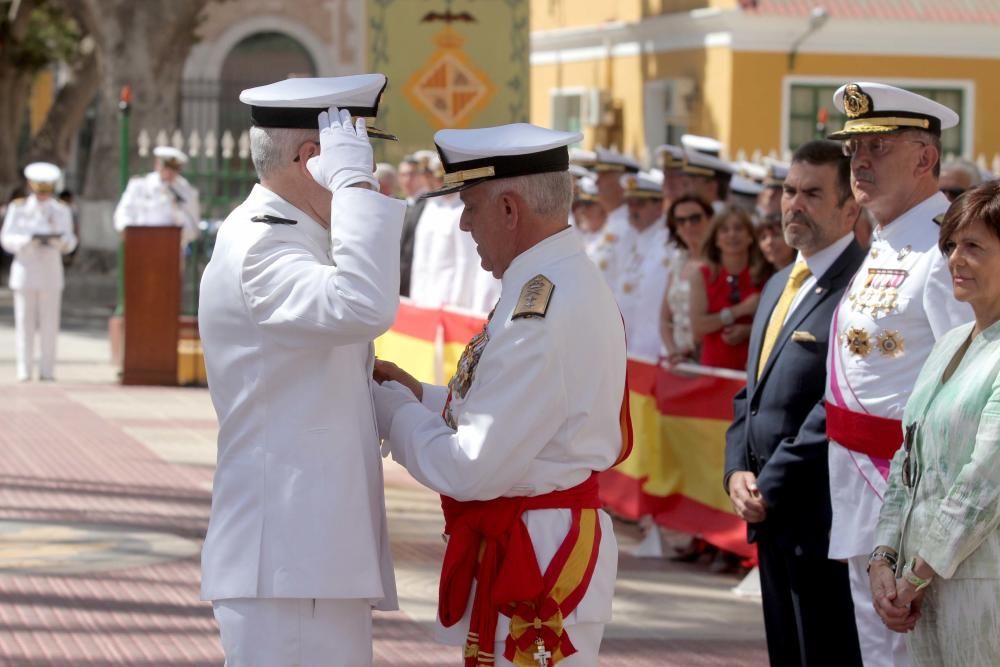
{"x": 274, "y": 148}
{"x": 547, "y": 194}
{"x": 966, "y": 166}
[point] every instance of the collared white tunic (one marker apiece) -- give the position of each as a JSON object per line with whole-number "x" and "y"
{"x": 541, "y": 413}
{"x": 642, "y": 265}
{"x": 149, "y": 201}
{"x": 875, "y": 357}
{"x": 287, "y": 322}
{"x": 37, "y": 266}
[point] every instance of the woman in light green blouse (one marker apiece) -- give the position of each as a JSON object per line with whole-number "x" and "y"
{"x": 936, "y": 571}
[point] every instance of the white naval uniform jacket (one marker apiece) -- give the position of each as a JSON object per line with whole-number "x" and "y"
{"x": 874, "y": 369}
{"x": 37, "y": 265}
{"x": 642, "y": 261}
{"x": 148, "y": 201}
{"x": 541, "y": 413}
{"x": 297, "y": 504}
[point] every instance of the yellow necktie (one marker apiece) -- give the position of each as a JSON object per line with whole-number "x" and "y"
{"x": 800, "y": 272}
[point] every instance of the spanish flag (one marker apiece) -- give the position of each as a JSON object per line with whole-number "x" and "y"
{"x": 679, "y": 422}
{"x": 679, "y": 419}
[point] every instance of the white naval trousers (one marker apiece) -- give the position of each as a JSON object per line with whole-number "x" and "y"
{"x": 36, "y": 311}
{"x": 586, "y": 637}
{"x": 295, "y": 632}
{"x": 880, "y": 646}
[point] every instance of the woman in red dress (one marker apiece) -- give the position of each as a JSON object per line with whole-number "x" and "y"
{"x": 725, "y": 290}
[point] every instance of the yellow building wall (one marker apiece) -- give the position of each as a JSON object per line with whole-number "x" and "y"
{"x": 624, "y": 78}
{"x": 42, "y": 96}
{"x": 757, "y": 89}
{"x": 555, "y": 14}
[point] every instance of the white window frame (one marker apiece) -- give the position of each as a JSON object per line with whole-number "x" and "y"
{"x": 967, "y": 122}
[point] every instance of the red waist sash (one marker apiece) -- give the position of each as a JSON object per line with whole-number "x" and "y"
{"x": 488, "y": 542}
{"x": 864, "y": 433}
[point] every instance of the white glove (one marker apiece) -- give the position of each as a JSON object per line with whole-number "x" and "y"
{"x": 389, "y": 397}
{"x": 345, "y": 156}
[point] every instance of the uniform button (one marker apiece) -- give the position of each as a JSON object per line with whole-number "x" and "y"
{"x": 753, "y": 412}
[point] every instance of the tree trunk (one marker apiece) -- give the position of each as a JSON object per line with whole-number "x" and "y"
{"x": 15, "y": 82}
{"x": 143, "y": 45}
{"x": 54, "y": 141}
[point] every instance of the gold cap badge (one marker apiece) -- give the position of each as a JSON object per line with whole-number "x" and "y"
{"x": 856, "y": 101}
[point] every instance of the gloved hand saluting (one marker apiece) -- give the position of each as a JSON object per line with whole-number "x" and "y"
{"x": 345, "y": 156}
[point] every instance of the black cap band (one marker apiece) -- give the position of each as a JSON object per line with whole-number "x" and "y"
{"x": 502, "y": 166}
{"x": 300, "y": 119}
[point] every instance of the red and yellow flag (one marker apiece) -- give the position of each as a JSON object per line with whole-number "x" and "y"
{"x": 679, "y": 421}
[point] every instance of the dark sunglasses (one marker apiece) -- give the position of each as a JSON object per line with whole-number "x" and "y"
{"x": 734, "y": 288}
{"x": 694, "y": 219}
{"x": 909, "y": 465}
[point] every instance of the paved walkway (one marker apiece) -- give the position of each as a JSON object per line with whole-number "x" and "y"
{"x": 104, "y": 499}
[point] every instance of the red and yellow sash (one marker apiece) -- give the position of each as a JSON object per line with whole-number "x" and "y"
{"x": 490, "y": 544}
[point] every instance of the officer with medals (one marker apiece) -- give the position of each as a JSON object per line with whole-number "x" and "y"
{"x": 37, "y": 231}
{"x": 163, "y": 197}
{"x": 898, "y": 304}
{"x": 536, "y": 409}
{"x": 304, "y": 275}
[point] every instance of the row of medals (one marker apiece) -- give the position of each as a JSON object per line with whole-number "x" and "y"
{"x": 878, "y": 297}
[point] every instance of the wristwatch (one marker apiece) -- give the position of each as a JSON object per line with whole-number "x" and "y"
{"x": 882, "y": 554}
{"x": 913, "y": 578}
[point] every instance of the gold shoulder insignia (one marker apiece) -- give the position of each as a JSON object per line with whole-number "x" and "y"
{"x": 18, "y": 200}
{"x": 535, "y": 297}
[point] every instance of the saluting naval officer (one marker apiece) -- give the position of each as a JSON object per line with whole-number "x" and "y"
{"x": 897, "y": 306}
{"x": 161, "y": 198}
{"x": 534, "y": 411}
{"x": 776, "y": 449}
{"x": 305, "y": 274}
{"x": 37, "y": 231}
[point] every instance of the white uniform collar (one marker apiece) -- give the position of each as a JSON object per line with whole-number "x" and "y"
{"x": 819, "y": 263}
{"x": 532, "y": 261}
{"x": 907, "y": 227}
{"x": 262, "y": 199}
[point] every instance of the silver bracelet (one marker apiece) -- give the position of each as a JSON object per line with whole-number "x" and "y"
{"x": 882, "y": 554}
{"x": 726, "y": 315}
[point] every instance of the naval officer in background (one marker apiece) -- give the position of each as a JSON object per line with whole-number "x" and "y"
{"x": 163, "y": 197}
{"x": 305, "y": 274}
{"x": 37, "y": 231}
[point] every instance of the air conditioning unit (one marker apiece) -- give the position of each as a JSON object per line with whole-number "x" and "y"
{"x": 677, "y": 94}
{"x": 593, "y": 103}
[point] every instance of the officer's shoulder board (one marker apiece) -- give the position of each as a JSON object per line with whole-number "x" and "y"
{"x": 535, "y": 297}
{"x": 273, "y": 220}
{"x": 18, "y": 201}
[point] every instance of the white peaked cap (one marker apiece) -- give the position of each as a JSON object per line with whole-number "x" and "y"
{"x": 520, "y": 149}
{"x": 875, "y": 108}
{"x": 42, "y": 172}
{"x": 610, "y": 160}
{"x": 745, "y": 186}
{"x": 708, "y": 145}
{"x": 170, "y": 154}
{"x": 297, "y": 102}
{"x": 643, "y": 185}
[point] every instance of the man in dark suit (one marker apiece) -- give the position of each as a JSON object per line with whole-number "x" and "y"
{"x": 776, "y": 448}
{"x": 413, "y": 182}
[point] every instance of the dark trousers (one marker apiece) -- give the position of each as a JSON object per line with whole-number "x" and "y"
{"x": 808, "y": 613}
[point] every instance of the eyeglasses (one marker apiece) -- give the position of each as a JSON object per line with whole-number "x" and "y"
{"x": 693, "y": 219}
{"x": 734, "y": 289}
{"x": 952, "y": 193}
{"x": 877, "y": 146}
{"x": 909, "y": 465}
